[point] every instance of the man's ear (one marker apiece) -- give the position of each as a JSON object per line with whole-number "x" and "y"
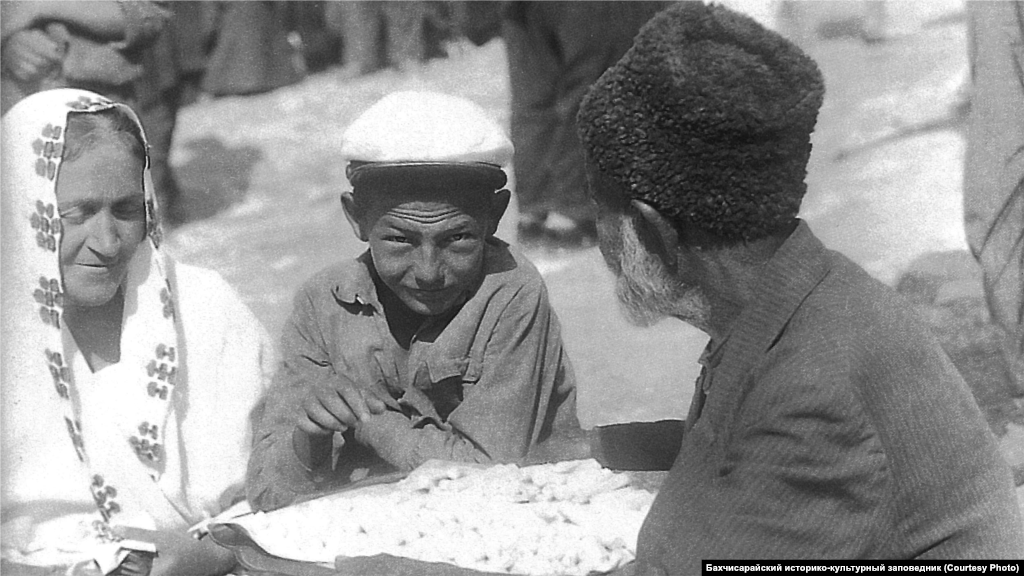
{"x": 652, "y": 226}
{"x": 499, "y": 203}
{"x": 348, "y": 204}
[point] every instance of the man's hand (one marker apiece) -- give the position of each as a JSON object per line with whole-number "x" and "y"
{"x": 177, "y": 552}
{"x": 336, "y": 405}
{"x": 31, "y": 55}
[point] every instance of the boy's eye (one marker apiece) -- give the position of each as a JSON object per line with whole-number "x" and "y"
{"x": 397, "y": 239}
{"x": 461, "y": 236}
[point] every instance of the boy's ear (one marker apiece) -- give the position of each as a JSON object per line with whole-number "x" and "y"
{"x": 348, "y": 204}
{"x": 499, "y": 203}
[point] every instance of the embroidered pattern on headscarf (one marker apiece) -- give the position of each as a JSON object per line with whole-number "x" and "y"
{"x": 165, "y": 297}
{"x": 89, "y": 102}
{"x": 105, "y": 497}
{"x": 48, "y": 150}
{"x": 49, "y": 297}
{"x": 61, "y": 374}
{"x": 46, "y": 225}
{"x": 75, "y": 432}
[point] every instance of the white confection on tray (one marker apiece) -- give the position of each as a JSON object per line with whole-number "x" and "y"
{"x": 570, "y": 518}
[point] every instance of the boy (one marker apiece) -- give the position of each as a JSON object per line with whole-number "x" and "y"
{"x": 439, "y": 341}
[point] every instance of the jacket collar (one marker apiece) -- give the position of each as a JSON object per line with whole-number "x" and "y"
{"x": 796, "y": 268}
{"x": 792, "y": 273}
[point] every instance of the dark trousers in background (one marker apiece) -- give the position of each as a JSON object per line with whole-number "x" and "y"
{"x": 556, "y": 50}
{"x": 376, "y": 35}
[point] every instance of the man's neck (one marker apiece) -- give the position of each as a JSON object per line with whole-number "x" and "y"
{"x": 731, "y": 280}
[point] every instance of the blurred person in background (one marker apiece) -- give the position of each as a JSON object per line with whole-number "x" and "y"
{"x": 359, "y": 25}
{"x": 555, "y": 51}
{"x": 251, "y": 52}
{"x": 876, "y": 24}
{"x": 99, "y": 46}
{"x": 321, "y": 45}
{"x": 214, "y": 47}
{"x": 127, "y": 51}
{"x": 994, "y": 168}
{"x": 377, "y": 35}
{"x": 172, "y": 72}
{"x": 131, "y": 381}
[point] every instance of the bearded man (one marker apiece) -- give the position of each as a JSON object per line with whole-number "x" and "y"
{"x": 827, "y": 422}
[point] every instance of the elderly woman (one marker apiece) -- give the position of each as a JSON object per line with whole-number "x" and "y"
{"x": 129, "y": 380}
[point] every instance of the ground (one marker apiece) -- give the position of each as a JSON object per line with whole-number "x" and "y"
{"x": 262, "y": 177}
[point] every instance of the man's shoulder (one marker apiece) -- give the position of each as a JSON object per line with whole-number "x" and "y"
{"x": 850, "y": 328}
{"x": 862, "y": 309}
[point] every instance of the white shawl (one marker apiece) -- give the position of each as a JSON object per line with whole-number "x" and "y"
{"x": 154, "y": 439}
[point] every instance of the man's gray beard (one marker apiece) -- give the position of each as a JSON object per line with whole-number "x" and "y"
{"x": 647, "y": 293}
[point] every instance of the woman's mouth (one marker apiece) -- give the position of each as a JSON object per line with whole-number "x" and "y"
{"x": 97, "y": 266}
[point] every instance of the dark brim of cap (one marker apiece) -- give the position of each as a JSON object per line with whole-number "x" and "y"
{"x": 471, "y": 175}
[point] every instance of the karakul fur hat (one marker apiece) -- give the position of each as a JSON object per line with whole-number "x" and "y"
{"x": 708, "y": 118}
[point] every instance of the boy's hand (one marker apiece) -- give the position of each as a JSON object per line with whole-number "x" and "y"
{"x": 335, "y": 406}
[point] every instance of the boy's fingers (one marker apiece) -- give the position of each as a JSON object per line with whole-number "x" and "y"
{"x": 376, "y": 405}
{"x": 333, "y": 403}
{"x": 322, "y": 418}
{"x": 354, "y": 399}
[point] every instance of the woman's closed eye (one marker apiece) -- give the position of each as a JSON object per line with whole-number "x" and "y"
{"x": 74, "y": 214}
{"x": 127, "y": 209}
{"x": 133, "y": 209}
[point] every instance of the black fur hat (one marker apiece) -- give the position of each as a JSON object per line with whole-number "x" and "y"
{"x": 708, "y": 118}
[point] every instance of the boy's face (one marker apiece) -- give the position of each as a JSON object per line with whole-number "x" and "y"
{"x": 428, "y": 250}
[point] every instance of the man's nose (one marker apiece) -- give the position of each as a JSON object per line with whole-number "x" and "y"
{"x": 428, "y": 270}
{"x": 105, "y": 237}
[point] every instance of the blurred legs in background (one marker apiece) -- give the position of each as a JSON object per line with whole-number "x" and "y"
{"x": 555, "y": 51}
{"x": 360, "y": 25}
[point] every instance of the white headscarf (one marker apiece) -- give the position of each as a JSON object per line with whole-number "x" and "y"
{"x": 120, "y": 441}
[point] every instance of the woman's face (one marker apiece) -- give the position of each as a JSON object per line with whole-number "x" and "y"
{"x": 102, "y": 209}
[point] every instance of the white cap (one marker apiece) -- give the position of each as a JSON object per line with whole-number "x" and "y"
{"x": 425, "y": 127}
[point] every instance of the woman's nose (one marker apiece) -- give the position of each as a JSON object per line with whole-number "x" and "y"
{"x": 105, "y": 237}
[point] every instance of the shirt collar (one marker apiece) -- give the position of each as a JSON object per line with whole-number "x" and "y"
{"x": 712, "y": 354}
{"x": 358, "y": 287}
